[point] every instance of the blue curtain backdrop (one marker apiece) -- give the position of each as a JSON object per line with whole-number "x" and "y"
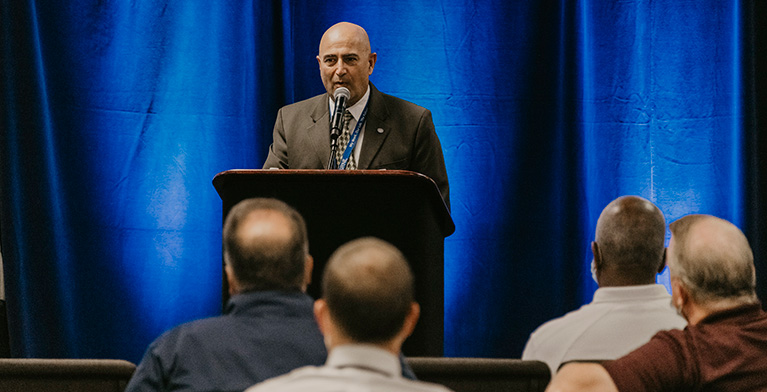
{"x": 117, "y": 115}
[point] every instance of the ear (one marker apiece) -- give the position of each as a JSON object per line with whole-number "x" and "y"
{"x": 411, "y": 319}
{"x": 308, "y": 268}
{"x": 319, "y": 61}
{"x": 372, "y": 62}
{"x": 597, "y": 255}
{"x": 321, "y": 315}
{"x": 663, "y": 261}
{"x": 234, "y": 286}
{"x": 679, "y": 292}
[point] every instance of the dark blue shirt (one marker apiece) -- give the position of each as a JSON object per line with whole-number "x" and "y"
{"x": 261, "y": 335}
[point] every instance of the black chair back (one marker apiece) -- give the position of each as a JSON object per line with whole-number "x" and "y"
{"x": 482, "y": 374}
{"x": 65, "y": 375}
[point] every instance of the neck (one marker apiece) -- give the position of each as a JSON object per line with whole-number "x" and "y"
{"x": 695, "y": 313}
{"x": 352, "y": 103}
{"x": 610, "y": 275}
{"x": 390, "y": 346}
{"x": 618, "y": 281}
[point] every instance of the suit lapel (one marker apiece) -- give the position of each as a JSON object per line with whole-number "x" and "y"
{"x": 319, "y": 131}
{"x": 376, "y": 128}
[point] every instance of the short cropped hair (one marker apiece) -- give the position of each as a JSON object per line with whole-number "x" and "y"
{"x": 265, "y": 262}
{"x": 630, "y": 235}
{"x": 369, "y": 290}
{"x": 717, "y": 267}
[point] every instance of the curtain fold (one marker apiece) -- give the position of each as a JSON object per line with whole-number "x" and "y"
{"x": 754, "y": 15}
{"x": 116, "y": 116}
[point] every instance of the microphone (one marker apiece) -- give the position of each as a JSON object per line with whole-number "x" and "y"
{"x": 340, "y": 95}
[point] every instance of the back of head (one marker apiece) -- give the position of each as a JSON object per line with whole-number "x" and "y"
{"x": 630, "y": 237}
{"x": 368, "y": 288}
{"x": 713, "y": 259}
{"x": 265, "y": 245}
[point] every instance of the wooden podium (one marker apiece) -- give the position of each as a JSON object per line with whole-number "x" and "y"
{"x": 402, "y": 207}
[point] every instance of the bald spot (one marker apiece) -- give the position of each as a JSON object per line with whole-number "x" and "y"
{"x": 723, "y": 246}
{"x": 714, "y": 238}
{"x": 267, "y": 227}
{"x": 627, "y": 211}
{"x": 346, "y": 33}
{"x": 368, "y": 266}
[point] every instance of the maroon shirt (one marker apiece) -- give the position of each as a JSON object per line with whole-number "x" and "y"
{"x": 726, "y": 351}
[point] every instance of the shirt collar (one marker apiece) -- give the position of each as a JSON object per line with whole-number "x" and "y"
{"x": 283, "y": 303}
{"x": 737, "y": 314}
{"x": 365, "y": 357}
{"x": 643, "y": 292}
{"x": 356, "y": 109}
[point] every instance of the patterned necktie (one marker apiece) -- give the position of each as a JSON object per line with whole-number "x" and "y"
{"x": 343, "y": 139}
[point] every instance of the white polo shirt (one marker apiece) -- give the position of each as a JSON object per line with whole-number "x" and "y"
{"x": 618, "y": 320}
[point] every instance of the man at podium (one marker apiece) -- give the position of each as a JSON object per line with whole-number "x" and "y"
{"x": 378, "y": 131}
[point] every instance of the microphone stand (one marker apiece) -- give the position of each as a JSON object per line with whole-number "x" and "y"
{"x": 332, "y": 164}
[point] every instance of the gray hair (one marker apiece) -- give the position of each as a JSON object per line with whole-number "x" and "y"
{"x": 713, "y": 260}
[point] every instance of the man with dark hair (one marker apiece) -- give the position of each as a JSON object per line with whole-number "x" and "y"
{"x": 279, "y": 260}
{"x": 267, "y": 328}
{"x": 723, "y": 348}
{"x": 628, "y": 308}
{"x": 370, "y": 304}
{"x": 367, "y": 312}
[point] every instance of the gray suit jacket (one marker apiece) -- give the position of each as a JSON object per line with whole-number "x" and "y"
{"x": 399, "y": 135}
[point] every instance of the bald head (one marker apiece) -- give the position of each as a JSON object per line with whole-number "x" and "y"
{"x": 345, "y": 60}
{"x": 265, "y": 245}
{"x": 629, "y": 241}
{"x": 368, "y": 288}
{"x": 345, "y": 31}
{"x": 713, "y": 259}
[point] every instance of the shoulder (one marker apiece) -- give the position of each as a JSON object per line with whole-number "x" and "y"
{"x": 305, "y": 104}
{"x": 327, "y": 379}
{"x": 584, "y": 314}
{"x": 179, "y": 335}
{"x": 557, "y": 334}
{"x": 293, "y": 380}
{"x": 397, "y": 104}
{"x": 163, "y": 354}
{"x": 664, "y": 360}
{"x": 427, "y": 386}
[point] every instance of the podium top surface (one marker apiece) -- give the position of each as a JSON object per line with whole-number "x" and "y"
{"x": 224, "y": 182}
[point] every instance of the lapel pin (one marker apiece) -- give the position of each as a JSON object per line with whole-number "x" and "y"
{"x": 379, "y": 130}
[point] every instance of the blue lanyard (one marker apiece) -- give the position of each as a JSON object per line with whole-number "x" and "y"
{"x": 353, "y": 139}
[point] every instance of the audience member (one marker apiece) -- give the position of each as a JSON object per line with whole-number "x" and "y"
{"x": 628, "y": 308}
{"x": 723, "y": 348}
{"x": 267, "y": 329}
{"x": 367, "y": 312}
